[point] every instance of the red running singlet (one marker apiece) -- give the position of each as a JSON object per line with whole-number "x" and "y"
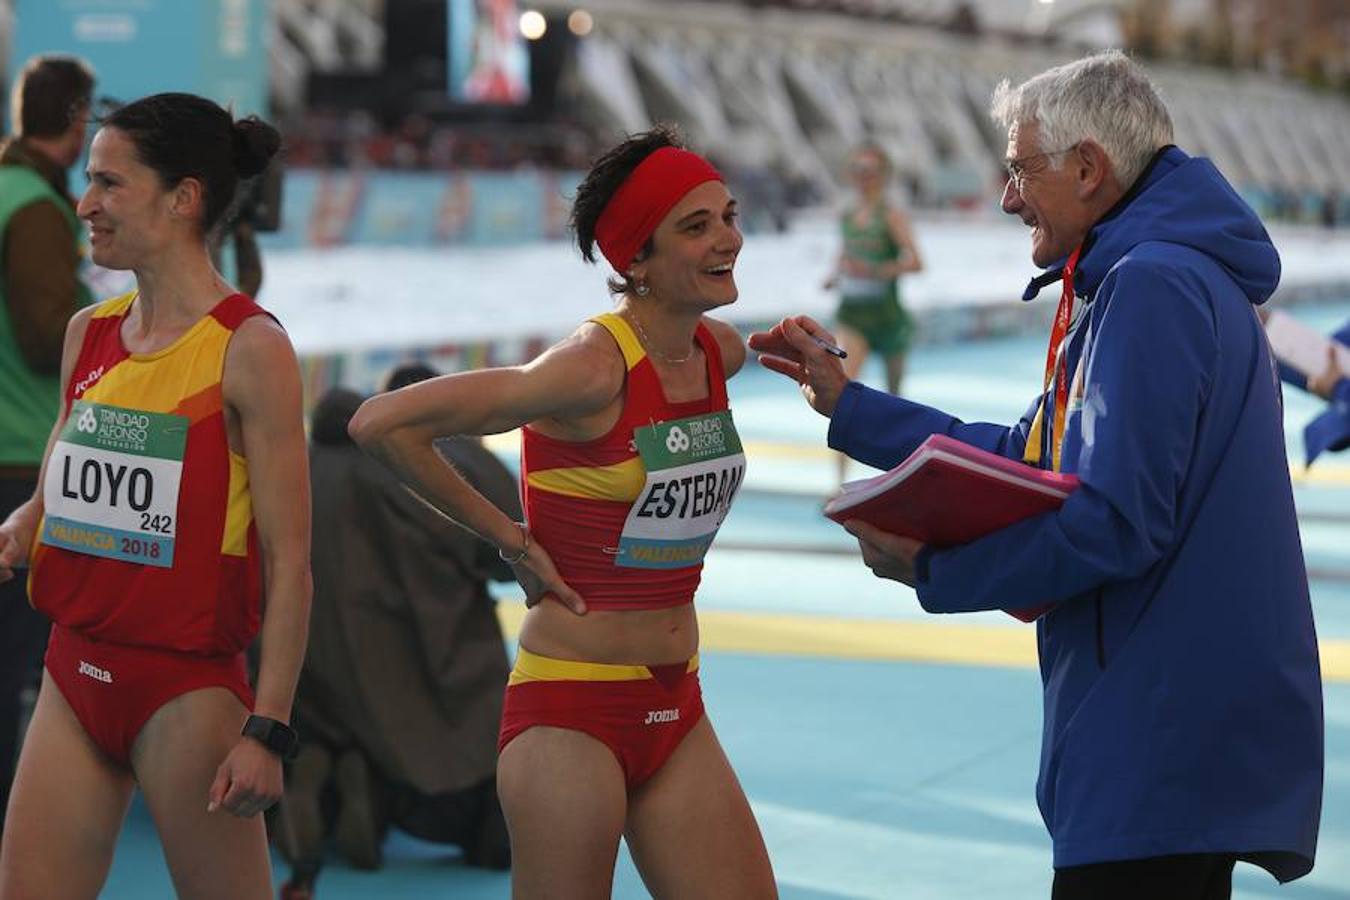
{"x": 628, "y": 517}
{"x": 148, "y": 536}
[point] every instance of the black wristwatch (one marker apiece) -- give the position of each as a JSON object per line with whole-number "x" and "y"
{"x": 277, "y": 737}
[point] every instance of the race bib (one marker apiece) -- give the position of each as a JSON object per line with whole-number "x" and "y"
{"x": 694, "y": 468}
{"x": 112, "y": 483}
{"x": 851, "y": 286}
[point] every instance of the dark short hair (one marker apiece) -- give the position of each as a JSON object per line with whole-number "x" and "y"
{"x": 50, "y": 92}
{"x": 604, "y": 178}
{"x": 186, "y": 136}
{"x": 406, "y": 374}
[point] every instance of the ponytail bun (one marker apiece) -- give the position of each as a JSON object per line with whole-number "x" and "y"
{"x": 255, "y": 143}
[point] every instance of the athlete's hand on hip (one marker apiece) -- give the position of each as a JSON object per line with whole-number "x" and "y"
{"x": 541, "y": 581}
{"x": 247, "y": 782}
{"x": 793, "y": 348}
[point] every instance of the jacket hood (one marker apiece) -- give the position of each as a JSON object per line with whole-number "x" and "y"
{"x": 328, "y": 422}
{"x": 1180, "y": 200}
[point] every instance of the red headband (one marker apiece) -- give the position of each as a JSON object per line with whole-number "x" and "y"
{"x": 642, "y": 201}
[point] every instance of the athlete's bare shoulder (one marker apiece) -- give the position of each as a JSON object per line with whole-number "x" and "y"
{"x": 597, "y": 349}
{"x": 258, "y": 340}
{"x": 730, "y": 342}
{"x": 76, "y": 329}
{"x": 260, "y": 360}
{"x": 587, "y": 365}
{"x": 79, "y": 324}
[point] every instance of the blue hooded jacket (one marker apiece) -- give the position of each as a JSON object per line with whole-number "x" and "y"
{"x": 1182, "y": 691}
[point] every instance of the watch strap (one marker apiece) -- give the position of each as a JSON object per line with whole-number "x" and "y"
{"x": 278, "y": 737}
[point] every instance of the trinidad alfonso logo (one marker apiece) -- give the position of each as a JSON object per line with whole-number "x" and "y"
{"x": 88, "y": 422}
{"x": 677, "y": 441}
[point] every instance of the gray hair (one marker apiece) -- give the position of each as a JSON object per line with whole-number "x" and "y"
{"x": 1105, "y": 97}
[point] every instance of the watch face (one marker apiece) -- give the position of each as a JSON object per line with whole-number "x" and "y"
{"x": 281, "y": 739}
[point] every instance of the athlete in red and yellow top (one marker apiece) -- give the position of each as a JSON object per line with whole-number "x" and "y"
{"x": 626, "y": 530}
{"x": 174, "y": 496}
{"x": 148, "y": 537}
{"x": 629, "y": 463}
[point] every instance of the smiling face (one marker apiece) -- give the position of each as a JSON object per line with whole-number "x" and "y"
{"x": 131, "y": 215}
{"x": 1046, "y": 199}
{"x": 695, "y": 249}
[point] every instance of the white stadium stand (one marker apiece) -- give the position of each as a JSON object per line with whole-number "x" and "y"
{"x": 792, "y": 86}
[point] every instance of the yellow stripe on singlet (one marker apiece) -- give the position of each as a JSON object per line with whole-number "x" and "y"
{"x": 623, "y": 334}
{"x": 533, "y": 667}
{"x": 621, "y": 481}
{"x": 238, "y": 509}
{"x": 114, "y": 306}
{"x": 136, "y": 383}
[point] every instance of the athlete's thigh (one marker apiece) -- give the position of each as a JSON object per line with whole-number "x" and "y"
{"x": 65, "y": 809}
{"x": 564, "y": 797}
{"x": 691, "y": 830}
{"x": 176, "y": 754}
{"x": 852, "y": 342}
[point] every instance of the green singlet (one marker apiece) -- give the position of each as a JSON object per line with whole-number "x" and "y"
{"x": 871, "y": 306}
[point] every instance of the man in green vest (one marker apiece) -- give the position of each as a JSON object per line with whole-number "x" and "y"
{"x": 40, "y": 289}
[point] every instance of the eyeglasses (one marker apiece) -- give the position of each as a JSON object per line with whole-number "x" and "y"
{"x": 1017, "y": 172}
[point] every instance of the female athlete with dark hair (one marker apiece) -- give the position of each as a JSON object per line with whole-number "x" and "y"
{"x": 629, "y": 463}
{"x": 174, "y": 495}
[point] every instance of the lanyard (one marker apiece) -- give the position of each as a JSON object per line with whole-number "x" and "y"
{"x": 1056, "y": 364}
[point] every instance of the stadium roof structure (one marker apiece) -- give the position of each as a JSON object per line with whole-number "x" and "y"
{"x": 782, "y": 86}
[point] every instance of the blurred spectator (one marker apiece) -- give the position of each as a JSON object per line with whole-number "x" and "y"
{"x": 1330, "y": 213}
{"x": 1329, "y": 430}
{"x": 401, "y": 692}
{"x": 325, "y": 139}
{"x": 40, "y": 289}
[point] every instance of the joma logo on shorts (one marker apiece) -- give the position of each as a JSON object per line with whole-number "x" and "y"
{"x": 95, "y": 672}
{"x": 657, "y": 716}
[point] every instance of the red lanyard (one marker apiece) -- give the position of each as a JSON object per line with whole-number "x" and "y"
{"x": 1056, "y": 362}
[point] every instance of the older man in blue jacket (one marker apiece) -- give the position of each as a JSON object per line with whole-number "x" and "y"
{"x": 1183, "y": 707}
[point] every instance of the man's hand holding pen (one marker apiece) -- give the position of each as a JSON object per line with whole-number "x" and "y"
{"x": 800, "y": 348}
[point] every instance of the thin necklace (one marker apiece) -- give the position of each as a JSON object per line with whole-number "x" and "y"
{"x": 651, "y": 348}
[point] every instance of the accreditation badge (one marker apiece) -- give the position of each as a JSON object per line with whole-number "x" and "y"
{"x": 112, "y": 483}
{"x": 694, "y": 468}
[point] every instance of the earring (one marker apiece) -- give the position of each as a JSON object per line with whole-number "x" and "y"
{"x": 642, "y": 289}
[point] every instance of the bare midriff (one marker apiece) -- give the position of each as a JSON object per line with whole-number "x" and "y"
{"x": 620, "y": 637}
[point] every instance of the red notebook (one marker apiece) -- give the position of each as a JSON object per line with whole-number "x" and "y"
{"x": 947, "y": 493}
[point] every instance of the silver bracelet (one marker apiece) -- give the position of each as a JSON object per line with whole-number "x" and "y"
{"x": 524, "y": 549}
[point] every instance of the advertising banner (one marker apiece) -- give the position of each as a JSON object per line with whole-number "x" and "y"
{"x": 137, "y": 47}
